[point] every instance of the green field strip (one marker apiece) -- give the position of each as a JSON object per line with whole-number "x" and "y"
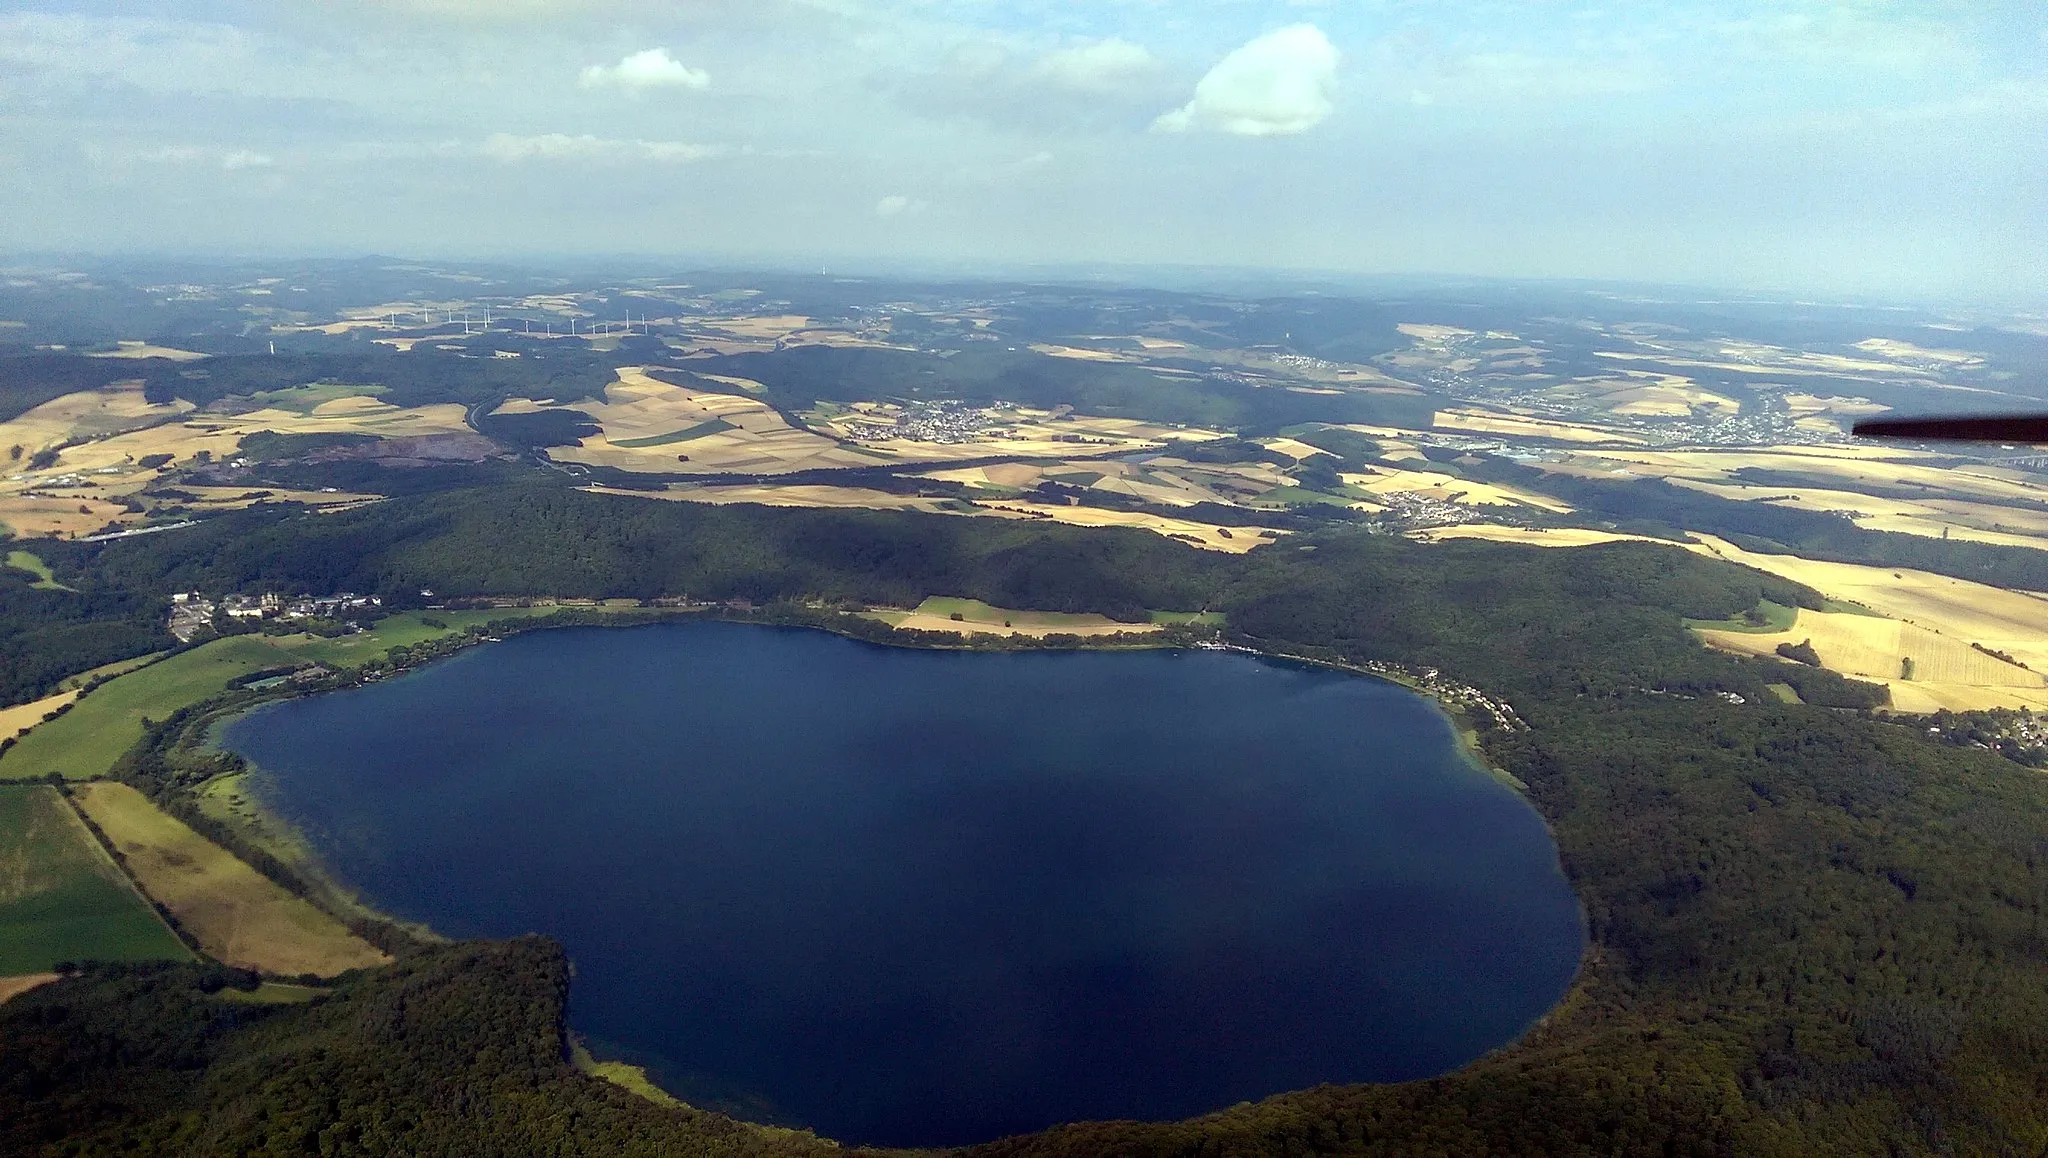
{"x": 46, "y": 580}
{"x": 62, "y": 898}
{"x": 712, "y": 426}
{"x": 1188, "y": 618}
{"x": 1776, "y": 617}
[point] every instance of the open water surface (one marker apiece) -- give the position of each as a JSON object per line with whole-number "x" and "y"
{"x": 920, "y": 897}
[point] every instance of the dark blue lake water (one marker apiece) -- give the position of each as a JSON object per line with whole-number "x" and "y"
{"x": 920, "y": 897}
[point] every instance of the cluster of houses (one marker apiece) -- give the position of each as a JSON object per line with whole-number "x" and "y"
{"x": 193, "y": 614}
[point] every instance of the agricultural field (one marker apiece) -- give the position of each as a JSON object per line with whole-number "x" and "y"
{"x": 405, "y": 629}
{"x": 772, "y": 495}
{"x": 1235, "y": 540}
{"x": 971, "y": 616}
{"x": 21, "y": 717}
{"x": 1534, "y": 536}
{"x": 1483, "y": 422}
{"x": 1875, "y": 648}
{"x": 112, "y": 431}
{"x": 86, "y": 741}
{"x": 137, "y": 349}
{"x": 985, "y": 432}
{"x": 237, "y": 915}
{"x": 1450, "y": 489}
{"x": 12, "y": 987}
{"x": 1931, "y": 619}
{"x": 61, "y": 897}
{"x": 654, "y": 426}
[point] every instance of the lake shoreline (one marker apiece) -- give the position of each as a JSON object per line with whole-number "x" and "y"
{"x": 1462, "y": 739}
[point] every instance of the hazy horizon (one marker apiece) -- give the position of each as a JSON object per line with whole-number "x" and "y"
{"x": 1854, "y": 150}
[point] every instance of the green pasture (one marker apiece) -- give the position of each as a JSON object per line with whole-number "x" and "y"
{"x": 1300, "y": 496}
{"x": 1188, "y": 618}
{"x": 406, "y": 629}
{"x": 1775, "y": 617}
{"x": 46, "y": 580}
{"x": 87, "y": 740}
{"x": 61, "y": 899}
{"x": 305, "y": 399}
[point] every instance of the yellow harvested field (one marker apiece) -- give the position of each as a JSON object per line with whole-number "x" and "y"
{"x": 1444, "y": 488}
{"x": 1235, "y": 540}
{"x": 747, "y": 384}
{"x": 1907, "y": 351}
{"x": 13, "y": 987}
{"x": 121, "y": 428}
{"x": 1664, "y": 401}
{"x": 775, "y": 326}
{"x": 769, "y": 494}
{"x": 87, "y": 414}
{"x": 1432, "y": 333}
{"x": 2013, "y": 622}
{"x": 740, "y": 435}
{"x": 1885, "y": 514}
{"x": 238, "y": 916}
{"x": 236, "y": 498}
{"x": 1518, "y": 426}
{"x": 1804, "y": 404}
{"x": 936, "y": 614}
{"x": 21, "y": 717}
{"x": 145, "y": 350}
{"x": 1019, "y": 431}
{"x": 1293, "y": 449}
{"x": 1768, "y": 360}
{"x": 1871, "y": 648}
{"x": 1847, "y": 468}
{"x": 31, "y": 516}
{"x": 1080, "y": 353}
{"x": 1536, "y": 536}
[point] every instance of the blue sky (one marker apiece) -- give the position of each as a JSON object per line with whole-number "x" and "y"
{"x": 1883, "y": 148}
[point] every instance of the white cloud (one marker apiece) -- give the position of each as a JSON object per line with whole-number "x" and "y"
{"x": 1283, "y": 83}
{"x": 654, "y": 68}
{"x": 245, "y": 159}
{"x": 897, "y": 205}
{"x": 561, "y": 146}
{"x": 1104, "y": 66}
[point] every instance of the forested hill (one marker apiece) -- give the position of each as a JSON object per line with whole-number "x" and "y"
{"x": 1813, "y": 932}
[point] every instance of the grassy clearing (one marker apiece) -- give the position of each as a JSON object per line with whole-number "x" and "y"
{"x": 1766, "y": 618}
{"x": 273, "y": 993}
{"x": 46, "y": 580}
{"x": 631, "y": 1078}
{"x": 110, "y": 670}
{"x": 238, "y": 915}
{"x": 1188, "y": 618}
{"x": 61, "y": 899}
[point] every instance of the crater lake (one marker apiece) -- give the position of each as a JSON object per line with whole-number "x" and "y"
{"x": 918, "y": 897}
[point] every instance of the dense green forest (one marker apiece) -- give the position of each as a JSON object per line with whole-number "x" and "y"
{"x": 1812, "y": 931}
